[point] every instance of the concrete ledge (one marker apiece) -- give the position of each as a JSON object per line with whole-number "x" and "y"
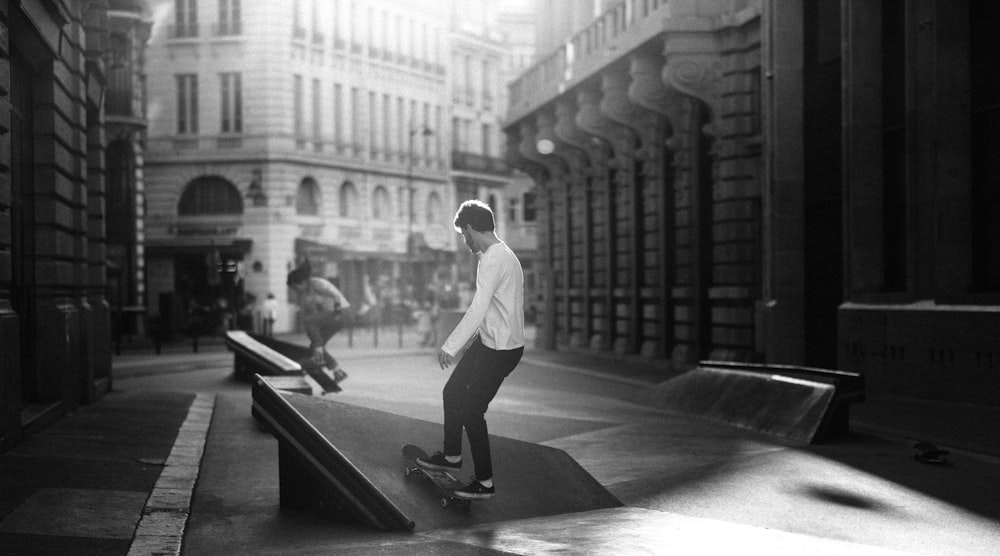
{"x": 251, "y": 356}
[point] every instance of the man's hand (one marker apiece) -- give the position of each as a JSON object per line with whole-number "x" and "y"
{"x": 444, "y": 359}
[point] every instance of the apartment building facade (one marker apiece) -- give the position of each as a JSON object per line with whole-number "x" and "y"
{"x": 292, "y": 130}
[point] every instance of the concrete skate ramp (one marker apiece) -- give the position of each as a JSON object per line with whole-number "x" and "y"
{"x": 295, "y": 352}
{"x": 345, "y": 461}
{"x": 799, "y": 403}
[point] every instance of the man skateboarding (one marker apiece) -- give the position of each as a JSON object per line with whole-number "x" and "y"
{"x": 322, "y": 308}
{"x": 495, "y": 323}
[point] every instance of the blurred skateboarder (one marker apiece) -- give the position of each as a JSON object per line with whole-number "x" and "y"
{"x": 322, "y": 308}
{"x": 494, "y": 322}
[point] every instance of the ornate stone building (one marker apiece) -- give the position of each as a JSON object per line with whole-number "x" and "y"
{"x": 55, "y": 321}
{"x": 295, "y": 129}
{"x": 647, "y": 147}
{"x": 781, "y": 181}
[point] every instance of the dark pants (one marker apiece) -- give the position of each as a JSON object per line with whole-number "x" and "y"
{"x": 468, "y": 393}
{"x": 320, "y": 327}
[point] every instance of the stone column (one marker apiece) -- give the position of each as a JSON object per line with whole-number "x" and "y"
{"x": 648, "y": 91}
{"x": 574, "y": 140}
{"x": 623, "y": 142}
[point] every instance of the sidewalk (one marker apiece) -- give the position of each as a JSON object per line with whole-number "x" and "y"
{"x": 121, "y": 469}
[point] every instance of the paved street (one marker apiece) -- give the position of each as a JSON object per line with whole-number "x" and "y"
{"x": 688, "y": 484}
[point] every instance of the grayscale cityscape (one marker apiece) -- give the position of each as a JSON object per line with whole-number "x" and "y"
{"x": 499, "y": 277}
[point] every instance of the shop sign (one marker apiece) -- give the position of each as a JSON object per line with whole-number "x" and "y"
{"x": 202, "y": 231}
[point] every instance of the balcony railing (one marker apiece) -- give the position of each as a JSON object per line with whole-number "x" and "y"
{"x": 471, "y": 162}
{"x": 182, "y": 30}
{"x": 304, "y": 145}
{"x": 590, "y": 50}
{"x": 227, "y": 28}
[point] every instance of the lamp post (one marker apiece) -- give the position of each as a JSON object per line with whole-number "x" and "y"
{"x": 423, "y": 131}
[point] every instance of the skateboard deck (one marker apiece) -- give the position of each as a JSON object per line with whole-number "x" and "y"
{"x": 925, "y": 452}
{"x": 328, "y": 375}
{"x": 445, "y": 481}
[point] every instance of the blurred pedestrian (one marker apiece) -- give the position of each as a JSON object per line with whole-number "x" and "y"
{"x": 269, "y": 314}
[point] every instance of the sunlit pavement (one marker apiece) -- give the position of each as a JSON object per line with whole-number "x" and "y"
{"x": 690, "y": 486}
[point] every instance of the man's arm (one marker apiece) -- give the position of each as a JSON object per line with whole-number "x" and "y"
{"x": 487, "y": 281}
{"x": 325, "y": 288}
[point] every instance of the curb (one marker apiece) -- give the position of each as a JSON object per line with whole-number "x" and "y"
{"x": 161, "y": 528}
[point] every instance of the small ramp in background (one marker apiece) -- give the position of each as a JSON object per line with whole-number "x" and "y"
{"x": 804, "y": 404}
{"x": 345, "y": 461}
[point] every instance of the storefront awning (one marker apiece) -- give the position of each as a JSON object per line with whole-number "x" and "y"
{"x": 195, "y": 245}
{"x": 316, "y": 251}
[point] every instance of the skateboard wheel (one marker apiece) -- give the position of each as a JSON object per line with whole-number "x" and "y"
{"x": 444, "y": 502}
{"x": 407, "y": 472}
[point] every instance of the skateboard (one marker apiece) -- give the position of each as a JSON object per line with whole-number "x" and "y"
{"x": 446, "y": 483}
{"x": 329, "y": 380}
{"x": 925, "y": 452}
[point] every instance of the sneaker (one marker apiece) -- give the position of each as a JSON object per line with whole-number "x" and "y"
{"x": 339, "y": 374}
{"x": 317, "y": 356}
{"x": 475, "y": 491}
{"x": 438, "y": 461}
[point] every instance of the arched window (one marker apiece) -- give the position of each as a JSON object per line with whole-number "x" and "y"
{"x": 434, "y": 209}
{"x": 348, "y": 200}
{"x": 380, "y": 203}
{"x": 307, "y": 198}
{"x": 210, "y": 195}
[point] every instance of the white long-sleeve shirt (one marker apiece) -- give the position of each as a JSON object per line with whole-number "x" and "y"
{"x": 321, "y": 295}
{"x": 497, "y": 309}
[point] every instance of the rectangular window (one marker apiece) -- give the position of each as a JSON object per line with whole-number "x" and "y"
{"x": 487, "y": 140}
{"x": 338, "y": 115}
{"x": 467, "y": 80}
{"x": 186, "y": 18}
{"x": 487, "y": 85}
{"x": 401, "y": 129}
{"x": 297, "y": 99}
{"x": 427, "y": 138}
{"x": 355, "y": 124}
{"x": 372, "y": 125}
{"x": 230, "y": 14}
{"x": 232, "y": 102}
{"x": 437, "y": 45}
{"x": 187, "y": 104}
{"x": 438, "y": 140}
{"x": 424, "y": 43}
{"x": 298, "y": 28}
{"x": 317, "y": 110}
{"x": 456, "y": 134}
{"x": 412, "y": 43}
{"x": 370, "y": 27}
{"x": 386, "y": 124}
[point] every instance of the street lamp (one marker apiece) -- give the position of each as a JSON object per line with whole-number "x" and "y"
{"x": 423, "y": 131}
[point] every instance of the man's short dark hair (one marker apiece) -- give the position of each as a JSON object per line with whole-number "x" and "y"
{"x": 476, "y": 214}
{"x": 300, "y": 274}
